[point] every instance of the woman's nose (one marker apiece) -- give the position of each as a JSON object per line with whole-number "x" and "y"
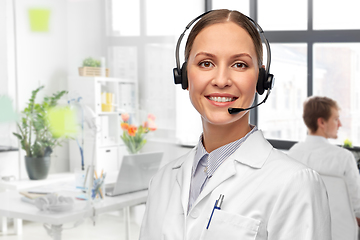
{"x": 222, "y": 78}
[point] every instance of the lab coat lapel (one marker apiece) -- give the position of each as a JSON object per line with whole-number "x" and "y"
{"x": 224, "y": 172}
{"x": 183, "y": 178}
{"x": 247, "y": 154}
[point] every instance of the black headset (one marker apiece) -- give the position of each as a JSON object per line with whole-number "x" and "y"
{"x": 265, "y": 79}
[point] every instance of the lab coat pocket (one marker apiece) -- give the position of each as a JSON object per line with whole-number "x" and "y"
{"x": 225, "y": 225}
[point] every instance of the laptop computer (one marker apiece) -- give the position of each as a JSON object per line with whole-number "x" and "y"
{"x": 135, "y": 173}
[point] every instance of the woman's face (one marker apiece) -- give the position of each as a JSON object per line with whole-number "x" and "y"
{"x": 222, "y": 72}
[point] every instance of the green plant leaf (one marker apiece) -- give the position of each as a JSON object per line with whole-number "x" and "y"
{"x": 18, "y": 136}
{"x": 35, "y": 135}
{"x": 90, "y": 62}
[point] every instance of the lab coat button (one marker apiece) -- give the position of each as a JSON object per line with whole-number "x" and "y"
{"x": 195, "y": 213}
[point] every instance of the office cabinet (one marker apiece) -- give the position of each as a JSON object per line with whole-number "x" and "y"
{"x": 107, "y": 98}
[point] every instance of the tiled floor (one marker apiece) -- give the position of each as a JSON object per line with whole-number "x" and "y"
{"x": 108, "y": 226}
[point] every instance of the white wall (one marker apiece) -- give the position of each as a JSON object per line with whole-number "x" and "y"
{"x": 42, "y": 60}
{"x": 47, "y": 58}
{"x": 3, "y": 46}
{"x": 9, "y": 161}
{"x": 85, "y": 21}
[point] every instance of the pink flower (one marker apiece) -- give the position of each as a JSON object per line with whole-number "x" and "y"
{"x": 151, "y": 117}
{"x": 152, "y": 126}
{"x": 125, "y": 117}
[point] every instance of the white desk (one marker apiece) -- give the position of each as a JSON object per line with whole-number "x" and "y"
{"x": 26, "y": 183}
{"x": 25, "y": 211}
{"x": 22, "y": 184}
{"x": 11, "y": 206}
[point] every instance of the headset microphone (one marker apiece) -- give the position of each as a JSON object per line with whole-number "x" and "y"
{"x": 237, "y": 110}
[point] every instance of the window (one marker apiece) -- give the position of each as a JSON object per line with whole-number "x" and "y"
{"x": 125, "y": 18}
{"x": 240, "y": 5}
{"x": 318, "y": 55}
{"x": 338, "y": 78}
{"x": 289, "y": 66}
{"x": 292, "y": 15}
{"x": 141, "y": 47}
{"x": 310, "y": 49}
{"x": 332, "y": 14}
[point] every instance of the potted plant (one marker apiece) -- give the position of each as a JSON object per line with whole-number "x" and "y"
{"x": 35, "y": 134}
{"x": 92, "y": 67}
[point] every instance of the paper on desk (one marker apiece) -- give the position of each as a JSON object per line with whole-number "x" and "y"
{"x": 31, "y": 195}
{"x": 53, "y": 188}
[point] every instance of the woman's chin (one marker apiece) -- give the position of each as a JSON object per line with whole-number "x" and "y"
{"x": 222, "y": 117}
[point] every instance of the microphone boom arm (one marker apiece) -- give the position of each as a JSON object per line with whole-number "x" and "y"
{"x": 237, "y": 110}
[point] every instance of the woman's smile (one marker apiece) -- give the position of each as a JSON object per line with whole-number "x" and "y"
{"x": 221, "y": 100}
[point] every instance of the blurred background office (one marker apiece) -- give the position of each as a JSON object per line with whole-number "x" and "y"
{"x": 315, "y": 46}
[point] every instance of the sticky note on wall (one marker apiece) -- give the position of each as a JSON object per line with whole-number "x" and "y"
{"x": 62, "y": 121}
{"x": 39, "y": 19}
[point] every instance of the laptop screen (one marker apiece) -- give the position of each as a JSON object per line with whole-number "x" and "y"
{"x": 136, "y": 171}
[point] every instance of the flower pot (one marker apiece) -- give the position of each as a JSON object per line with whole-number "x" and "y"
{"x": 92, "y": 72}
{"x": 37, "y": 168}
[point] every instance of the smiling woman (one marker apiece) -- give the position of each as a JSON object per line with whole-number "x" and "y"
{"x": 264, "y": 194}
{"x": 229, "y": 72}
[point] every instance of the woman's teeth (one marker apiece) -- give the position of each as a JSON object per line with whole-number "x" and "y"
{"x": 221, "y": 99}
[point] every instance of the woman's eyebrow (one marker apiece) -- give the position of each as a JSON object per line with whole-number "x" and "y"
{"x": 205, "y": 53}
{"x": 233, "y": 56}
{"x": 241, "y": 55}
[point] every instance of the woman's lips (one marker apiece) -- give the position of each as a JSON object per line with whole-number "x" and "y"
{"x": 222, "y": 99}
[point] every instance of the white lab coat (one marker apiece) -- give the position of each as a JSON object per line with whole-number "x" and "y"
{"x": 317, "y": 153}
{"x": 267, "y": 195}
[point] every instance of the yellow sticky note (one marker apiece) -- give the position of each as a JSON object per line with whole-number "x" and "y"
{"x": 7, "y": 113}
{"x": 62, "y": 121}
{"x": 39, "y": 20}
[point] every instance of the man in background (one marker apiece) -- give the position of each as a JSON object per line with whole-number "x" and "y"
{"x": 321, "y": 116}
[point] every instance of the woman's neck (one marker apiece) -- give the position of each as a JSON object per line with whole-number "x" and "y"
{"x": 215, "y": 136}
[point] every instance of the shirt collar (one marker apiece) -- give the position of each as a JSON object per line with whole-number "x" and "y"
{"x": 200, "y": 153}
{"x": 220, "y": 154}
{"x": 316, "y": 139}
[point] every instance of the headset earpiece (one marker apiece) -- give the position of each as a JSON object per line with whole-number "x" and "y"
{"x": 265, "y": 81}
{"x": 184, "y": 78}
{"x": 270, "y": 81}
{"x": 180, "y": 76}
{"x": 261, "y": 81}
{"x": 177, "y": 76}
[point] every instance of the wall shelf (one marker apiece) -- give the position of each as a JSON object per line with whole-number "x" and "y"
{"x": 105, "y": 145}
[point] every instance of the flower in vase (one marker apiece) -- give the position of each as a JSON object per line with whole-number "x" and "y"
{"x": 133, "y": 136}
{"x": 125, "y": 117}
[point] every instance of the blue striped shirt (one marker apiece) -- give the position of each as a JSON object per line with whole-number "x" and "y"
{"x": 205, "y": 164}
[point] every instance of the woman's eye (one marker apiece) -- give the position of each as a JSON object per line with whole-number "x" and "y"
{"x": 240, "y": 65}
{"x": 205, "y": 64}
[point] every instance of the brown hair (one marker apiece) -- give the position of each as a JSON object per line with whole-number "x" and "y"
{"x": 222, "y": 16}
{"x": 315, "y": 108}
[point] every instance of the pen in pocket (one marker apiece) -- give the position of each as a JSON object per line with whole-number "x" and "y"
{"x": 217, "y": 205}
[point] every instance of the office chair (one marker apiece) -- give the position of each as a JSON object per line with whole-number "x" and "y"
{"x": 343, "y": 221}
